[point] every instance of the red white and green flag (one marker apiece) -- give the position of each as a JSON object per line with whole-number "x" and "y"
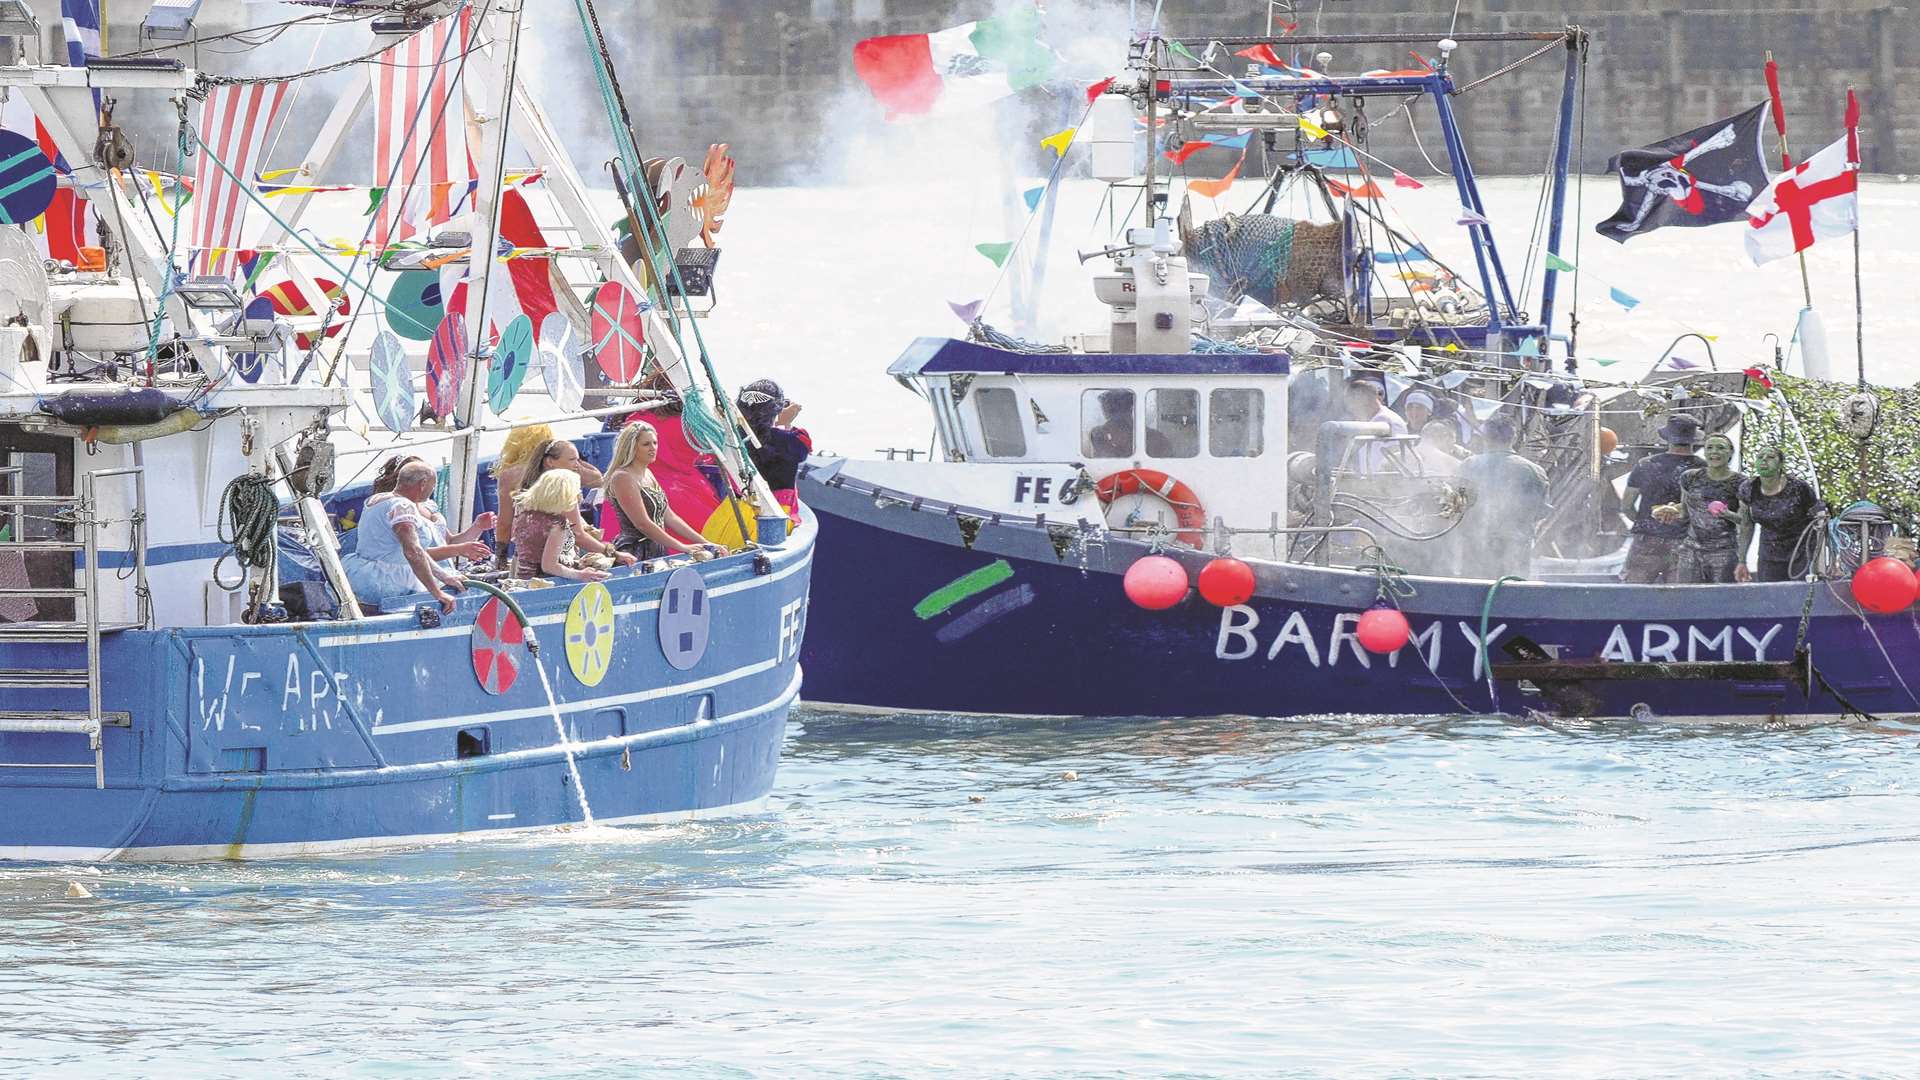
{"x": 956, "y": 69}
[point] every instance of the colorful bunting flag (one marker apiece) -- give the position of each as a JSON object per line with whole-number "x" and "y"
{"x": 997, "y": 252}
{"x": 1243, "y": 91}
{"x": 1213, "y": 189}
{"x": 1368, "y": 190}
{"x": 1623, "y": 299}
{"x": 968, "y": 311}
{"x": 1470, "y": 216}
{"x": 1555, "y": 262}
{"x": 1313, "y": 130}
{"x": 1681, "y": 363}
{"x": 1032, "y": 196}
{"x": 1416, "y": 253}
{"x": 1262, "y": 54}
{"x": 1100, "y": 87}
{"x": 1178, "y": 49}
{"x": 1401, "y": 179}
{"x": 1187, "y": 150}
{"x": 1059, "y": 141}
{"x": 1231, "y": 142}
{"x": 1338, "y": 157}
{"x": 1601, "y": 362}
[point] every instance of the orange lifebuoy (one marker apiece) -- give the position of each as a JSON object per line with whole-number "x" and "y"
{"x": 1186, "y": 505}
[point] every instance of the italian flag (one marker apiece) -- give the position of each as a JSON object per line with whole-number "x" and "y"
{"x": 954, "y": 69}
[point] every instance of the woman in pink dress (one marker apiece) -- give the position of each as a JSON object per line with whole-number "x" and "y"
{"x": 676, "y": 469}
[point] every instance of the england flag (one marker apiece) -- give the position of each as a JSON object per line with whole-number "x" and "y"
{"x": 1818, "y": 197}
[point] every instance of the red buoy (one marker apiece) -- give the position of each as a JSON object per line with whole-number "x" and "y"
{"x": 1885, "y": 585}
{"x": 1383, "y": 630}
{"x": 1226, "y": 582}
{"x": 1156, "y": 583}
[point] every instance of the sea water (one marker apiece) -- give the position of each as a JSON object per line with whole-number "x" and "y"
{"x": 1351, "y": 896}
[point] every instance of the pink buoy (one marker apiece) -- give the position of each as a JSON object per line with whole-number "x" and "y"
{"x": 1382, "y": 630}
{"x": 1885, "y": 585}
{"x": 1156, "y": 583}
{"x": 1226, "y": 582}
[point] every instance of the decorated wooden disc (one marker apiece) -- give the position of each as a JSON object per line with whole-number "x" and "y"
{"x": 414, "y": 304}
{"x": 447, "y": 365}
{"x": 392, "y": 379}
{"x": 562, "y": 367}
{"x": 512, "y": 356}
{"x": 289, "y": 300}
{"x": 617, "y": 332}
{"x": 27, "y": 180}
{"x": 590, "y": 634}
{"x": 686, "y": 613}
{"x": 498, "y": 639}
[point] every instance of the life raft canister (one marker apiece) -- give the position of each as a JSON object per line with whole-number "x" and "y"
{"x": 1186, "y": 505}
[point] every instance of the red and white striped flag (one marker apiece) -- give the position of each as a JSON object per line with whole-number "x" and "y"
{"x": 418, "y": 148}
{"x": 234, "y": 122}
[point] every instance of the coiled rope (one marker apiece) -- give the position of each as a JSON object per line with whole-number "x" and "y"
{"x": 252, "y": 510}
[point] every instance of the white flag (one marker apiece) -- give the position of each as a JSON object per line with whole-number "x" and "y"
{"x": 1816, "y": 199}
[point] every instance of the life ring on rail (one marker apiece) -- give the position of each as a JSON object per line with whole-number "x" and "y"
{"x": 1186, "y": 505}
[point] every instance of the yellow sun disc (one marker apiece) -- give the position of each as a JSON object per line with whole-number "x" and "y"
{"x": 590, "y": 634}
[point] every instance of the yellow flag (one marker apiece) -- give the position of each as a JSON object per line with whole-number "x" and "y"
{"x": 269, "y": 177}
{"x": 1059, "y": 141}
{"x": 1312, "y": 129}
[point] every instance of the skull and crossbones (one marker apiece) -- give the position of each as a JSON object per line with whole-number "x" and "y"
{"x": 1670, "y": 179}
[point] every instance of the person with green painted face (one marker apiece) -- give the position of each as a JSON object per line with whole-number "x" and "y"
{"x": 1782, "y": 507}
{"x": 1710, "y": 505}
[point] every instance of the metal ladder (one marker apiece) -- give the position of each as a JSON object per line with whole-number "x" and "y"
{"x": 85, "y": 627}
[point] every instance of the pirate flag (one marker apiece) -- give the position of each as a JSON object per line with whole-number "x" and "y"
{"x": 1704, "y": 177}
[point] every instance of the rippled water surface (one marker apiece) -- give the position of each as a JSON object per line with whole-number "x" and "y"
{"x": 1230, "y": 896}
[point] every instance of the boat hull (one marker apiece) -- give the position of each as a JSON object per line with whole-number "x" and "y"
{"x": 242, "y": 742}
{"x": 1021, "y": 620}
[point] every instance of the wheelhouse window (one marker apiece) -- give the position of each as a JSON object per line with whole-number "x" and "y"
{"x": 1173, "y": 423}
{"x": 999, "y": 409}
{"x": 1236, "y": 423}
{"x": 1106, "y": 423}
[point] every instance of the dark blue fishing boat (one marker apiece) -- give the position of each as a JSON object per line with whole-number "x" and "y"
{"x": 1041, "y": 561}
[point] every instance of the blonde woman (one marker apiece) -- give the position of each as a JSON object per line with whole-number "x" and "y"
{"x": 544, "y": 514}
{"x": 530, "y": 451}
{"x": 649, "y": 529}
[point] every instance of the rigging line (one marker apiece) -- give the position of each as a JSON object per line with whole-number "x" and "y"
{"x": 1053, "y": 177}
{"x": 413, "y": 177}
{"x": 499, "y": 178}
{"x": 282, "y": 27}
{"x": 298, "y": 87}
{"x": 1515, "y": 66}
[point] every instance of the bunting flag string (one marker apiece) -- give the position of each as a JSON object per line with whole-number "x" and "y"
{"x": 1032, "y": 197}
{"x": 1368, "y": 190}
{"x": 1059, "y": 141}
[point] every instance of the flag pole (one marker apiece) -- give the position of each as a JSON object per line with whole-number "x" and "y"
{"x": 1786, "y": 156}
{"x": 1859, "y": 298}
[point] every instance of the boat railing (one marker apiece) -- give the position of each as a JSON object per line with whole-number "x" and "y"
{"x": 85, "y": 627}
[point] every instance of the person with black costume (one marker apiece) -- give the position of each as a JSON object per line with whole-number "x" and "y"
{"x": 1710, "y": 506}
{"x": 1655, "y": 482}
{"x": 1782, "y": 507}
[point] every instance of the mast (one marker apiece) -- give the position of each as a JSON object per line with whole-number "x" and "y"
{"x": 1562, "y": 150}
{"x": 481, "y": 264}
{"x": 1153, "y": 116}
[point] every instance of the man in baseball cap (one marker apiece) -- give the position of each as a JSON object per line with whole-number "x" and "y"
{"x": 1654, "y": 483}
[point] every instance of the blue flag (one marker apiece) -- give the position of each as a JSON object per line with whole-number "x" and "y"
{"x": 80, "y": 25}
{"x": 1625, "y": 301}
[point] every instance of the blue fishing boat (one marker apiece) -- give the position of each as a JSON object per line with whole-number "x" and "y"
{"x": 187, "y": 669}
{"x": 1176, "y": 515}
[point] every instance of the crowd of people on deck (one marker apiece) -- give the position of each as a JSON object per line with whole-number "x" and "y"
{"x": 1695, "y": 516}
{"x": 657, "y": 484}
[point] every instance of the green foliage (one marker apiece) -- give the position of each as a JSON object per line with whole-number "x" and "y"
{"x": 1891, "y": 474}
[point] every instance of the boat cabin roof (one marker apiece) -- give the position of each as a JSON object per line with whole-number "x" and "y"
{"x": 946, "y": 356}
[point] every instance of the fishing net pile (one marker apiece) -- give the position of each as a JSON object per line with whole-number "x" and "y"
{"x": 1277, "y": 261}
